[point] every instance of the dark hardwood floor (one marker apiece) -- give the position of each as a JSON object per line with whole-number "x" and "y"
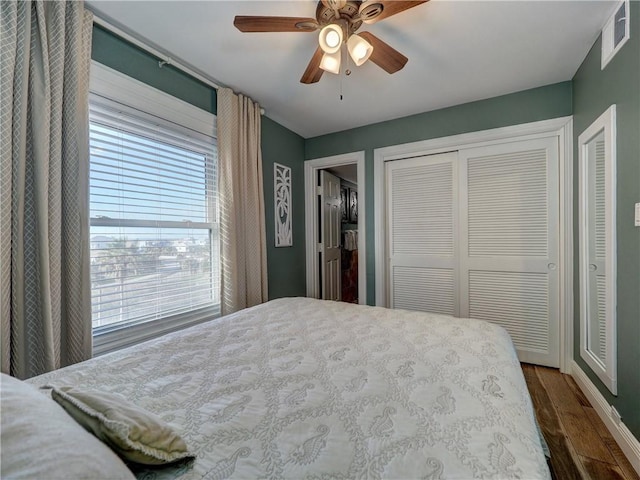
{"x": 580, "y": 444}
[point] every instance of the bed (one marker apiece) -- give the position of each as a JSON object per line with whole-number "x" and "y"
{"x": 304, "y": 388}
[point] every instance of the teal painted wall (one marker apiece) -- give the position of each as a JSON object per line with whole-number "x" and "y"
{"x": 542, "y": 103}
{"x": 114, "y": 52}
{"x": 286, "y": 265}
{"x": 593, "y": 92}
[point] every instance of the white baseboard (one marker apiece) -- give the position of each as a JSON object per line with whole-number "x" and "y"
{"x": 627, "y": 442}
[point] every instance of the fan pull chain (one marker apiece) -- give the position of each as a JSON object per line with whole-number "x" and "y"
{"x": 347, "y": 72}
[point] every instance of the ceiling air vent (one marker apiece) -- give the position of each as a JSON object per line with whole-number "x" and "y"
{"x": 615, "y": 33}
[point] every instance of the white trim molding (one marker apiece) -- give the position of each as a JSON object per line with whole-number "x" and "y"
{"x": 628, "y": 443}
{"x": 566, "y": 245}
{"x": 562, "y": 128}
{"x": 311, "y": 168}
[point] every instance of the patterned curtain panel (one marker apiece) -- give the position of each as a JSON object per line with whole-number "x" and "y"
{"x": 44, "y": 245}
{"x": 243, "y": 247}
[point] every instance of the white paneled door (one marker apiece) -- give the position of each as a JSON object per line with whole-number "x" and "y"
{"x": 330, "y": 217}
{"x": 475, "y": 234}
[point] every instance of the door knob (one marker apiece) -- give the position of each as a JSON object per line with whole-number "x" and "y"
{"x": 552, "y": 266}
{"x": 592, "y": 267}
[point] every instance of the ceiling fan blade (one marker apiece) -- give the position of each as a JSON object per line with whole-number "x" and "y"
{"x": 313, "y": 73}
{"x": 274, "y": 24}
{"x": 386, "y": 57}
{"x": 389, "y": 8}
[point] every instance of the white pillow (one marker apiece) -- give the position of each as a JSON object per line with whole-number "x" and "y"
{"x": 40, "y": 440}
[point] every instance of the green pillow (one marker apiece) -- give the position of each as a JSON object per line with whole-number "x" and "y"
{"x": 135, "y": 434}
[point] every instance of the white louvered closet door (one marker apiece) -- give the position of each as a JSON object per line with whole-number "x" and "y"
{"x": 422, "y": 213}
{"x": 509, "y": 243}
{"x": 596, "y": 224}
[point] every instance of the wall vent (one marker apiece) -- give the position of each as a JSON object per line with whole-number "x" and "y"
{"x": 615, "y": 32}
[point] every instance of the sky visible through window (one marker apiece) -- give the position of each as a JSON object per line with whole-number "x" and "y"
{"x": 133, "y": 177}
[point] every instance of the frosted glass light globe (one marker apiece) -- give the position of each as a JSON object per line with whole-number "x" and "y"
{"x": 330, "y": 38}
{"x": 360, "y": 51}
{"x": 333, "y": 39}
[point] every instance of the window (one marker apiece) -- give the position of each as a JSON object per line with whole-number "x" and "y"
{"x": 154, "y": 213}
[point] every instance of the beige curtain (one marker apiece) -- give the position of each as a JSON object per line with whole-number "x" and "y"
{"x": 44, "y": 245}
{"x": 242, "y": 223}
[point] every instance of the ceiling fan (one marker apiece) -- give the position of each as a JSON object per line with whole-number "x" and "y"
{"x": 338, "y": 21}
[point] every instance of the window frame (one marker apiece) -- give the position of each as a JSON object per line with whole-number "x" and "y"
{"x": 107, "y": 87}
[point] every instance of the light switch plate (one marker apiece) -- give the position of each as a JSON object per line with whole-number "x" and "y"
{"x": 637, "y": 215}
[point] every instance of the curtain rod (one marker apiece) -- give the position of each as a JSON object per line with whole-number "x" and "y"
{"x": 164, "y": 59}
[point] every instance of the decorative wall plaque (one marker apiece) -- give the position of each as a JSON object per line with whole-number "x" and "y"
{"x": 282, "y": 203}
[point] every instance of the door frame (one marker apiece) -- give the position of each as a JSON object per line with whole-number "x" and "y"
{"x": 311, "y": 168}
{"x": 562, "y": 128}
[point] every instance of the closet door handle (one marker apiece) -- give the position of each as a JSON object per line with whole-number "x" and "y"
{"x": 593, "y": 267}
{"x": 552, "y": 266}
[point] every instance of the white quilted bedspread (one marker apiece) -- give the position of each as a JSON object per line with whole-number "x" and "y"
{"x": 303, "y": 388}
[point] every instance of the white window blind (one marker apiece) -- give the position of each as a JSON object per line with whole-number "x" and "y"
{"x": 154, "y": 220}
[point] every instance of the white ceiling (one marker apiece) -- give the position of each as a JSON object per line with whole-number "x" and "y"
{"x": 459, "y": 51}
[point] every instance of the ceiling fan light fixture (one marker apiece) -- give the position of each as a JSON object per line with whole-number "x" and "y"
{"x": 330, "y": 38}
{"x": 359, "y": 49}
{"x": 331, "y": 62}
